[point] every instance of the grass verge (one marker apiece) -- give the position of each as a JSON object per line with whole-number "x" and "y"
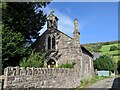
{"x": 87, "y": 82}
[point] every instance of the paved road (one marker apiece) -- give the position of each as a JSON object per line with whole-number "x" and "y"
{"x": 107, "y": 83}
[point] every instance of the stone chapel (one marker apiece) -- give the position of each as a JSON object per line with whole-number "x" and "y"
{"x": 60, "y": 48}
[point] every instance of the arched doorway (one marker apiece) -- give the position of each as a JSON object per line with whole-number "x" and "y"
{"x": 51, "y": 63}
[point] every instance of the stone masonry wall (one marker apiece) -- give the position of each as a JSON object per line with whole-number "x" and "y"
{"x": 70, "y": 50}
{"x": 20, "y": 77}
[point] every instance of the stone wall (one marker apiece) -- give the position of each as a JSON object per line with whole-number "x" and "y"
{"x": 20, "y": 77}
{"x": 87, "y": 68}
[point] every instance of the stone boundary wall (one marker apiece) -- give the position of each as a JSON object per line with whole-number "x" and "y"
{"x": 20, "y": 77}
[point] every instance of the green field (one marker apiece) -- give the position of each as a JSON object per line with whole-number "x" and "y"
{"x": 105, "y": 49}
{"x": 110, "y": 52}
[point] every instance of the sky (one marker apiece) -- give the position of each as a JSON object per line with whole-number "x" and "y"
{"x": 97, "y": 21}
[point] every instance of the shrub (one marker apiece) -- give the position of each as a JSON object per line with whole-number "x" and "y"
{"x": 107, "y": 43}
{"x": 105, "y": 63}
{"x": 67, "y": 65}
{"x": 112, "y": 48}
{"x": 34, "y": 60}
{"x": 116, "y": 54}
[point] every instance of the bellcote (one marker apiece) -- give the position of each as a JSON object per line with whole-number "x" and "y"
{"x": 52, "y": 21}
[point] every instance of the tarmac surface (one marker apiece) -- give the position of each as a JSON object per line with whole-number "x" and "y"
{"x": 111, "y": 83}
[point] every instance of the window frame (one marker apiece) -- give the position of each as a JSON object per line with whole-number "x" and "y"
{"x": 52, "y": 44}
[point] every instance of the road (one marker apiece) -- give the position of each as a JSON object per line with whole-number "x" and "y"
{"x": 107, "y": 83}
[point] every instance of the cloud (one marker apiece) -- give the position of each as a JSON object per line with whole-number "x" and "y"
{"x": 65, "y": 23}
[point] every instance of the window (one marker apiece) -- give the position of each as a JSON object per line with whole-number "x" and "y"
{"x": 50, "y": 43}
{"x": 53, "y": 42}
{"x": 51, "y": 22}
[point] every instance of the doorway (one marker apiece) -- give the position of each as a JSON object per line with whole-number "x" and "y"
{"x": 51, "y": 63}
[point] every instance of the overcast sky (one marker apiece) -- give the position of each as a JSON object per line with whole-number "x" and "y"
{"x": 98, "y": 22}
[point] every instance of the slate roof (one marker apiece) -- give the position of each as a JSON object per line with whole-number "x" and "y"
{"x": 83, "y": 48}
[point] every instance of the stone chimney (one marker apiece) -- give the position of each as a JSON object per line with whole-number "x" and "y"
{"x": 76, "y": 32}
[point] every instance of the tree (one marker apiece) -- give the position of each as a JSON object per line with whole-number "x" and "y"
{"x": 21, "y": 23}
{"x": 105, "y": 63}
{"x": 24, "y": 17}
{"x": 12, "y": 47}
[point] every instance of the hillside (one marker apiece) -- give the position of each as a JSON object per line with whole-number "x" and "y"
{"x": 105, "y": 48}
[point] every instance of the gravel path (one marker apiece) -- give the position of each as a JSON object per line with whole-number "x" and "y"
{"x": 107, "y": 83}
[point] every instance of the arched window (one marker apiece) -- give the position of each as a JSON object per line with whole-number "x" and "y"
{"x": 49, "y": 42}
{"x": 53, "y": 42}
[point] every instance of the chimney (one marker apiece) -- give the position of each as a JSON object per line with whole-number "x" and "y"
{"x": 76, "y": 32}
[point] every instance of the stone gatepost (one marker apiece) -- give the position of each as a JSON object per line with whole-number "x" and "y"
{"x": 5, "y": 77}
